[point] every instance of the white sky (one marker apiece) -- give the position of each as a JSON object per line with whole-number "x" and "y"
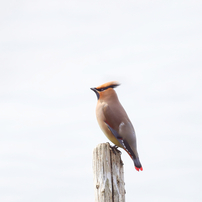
{"x": 52, "y": 52}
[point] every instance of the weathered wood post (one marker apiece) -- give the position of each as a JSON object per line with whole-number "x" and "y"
{"x": 108, "y": 174}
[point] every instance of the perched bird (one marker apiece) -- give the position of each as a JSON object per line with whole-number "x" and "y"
{"x": 114, "y": 121}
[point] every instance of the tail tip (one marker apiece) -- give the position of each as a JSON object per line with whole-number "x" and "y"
{"x": 138, "y": 169}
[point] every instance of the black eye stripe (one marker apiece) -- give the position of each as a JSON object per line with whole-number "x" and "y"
{"x": 102, "y": 89}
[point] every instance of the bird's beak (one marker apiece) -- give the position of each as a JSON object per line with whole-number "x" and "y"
{"x": 95, "y": 90}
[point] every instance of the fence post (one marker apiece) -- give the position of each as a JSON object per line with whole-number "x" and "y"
{"x": 108, "y": 174}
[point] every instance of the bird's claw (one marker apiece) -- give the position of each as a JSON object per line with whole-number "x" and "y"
{"x": 114, "y": 149}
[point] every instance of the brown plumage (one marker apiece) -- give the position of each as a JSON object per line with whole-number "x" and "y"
{"x": 114, "y": 121}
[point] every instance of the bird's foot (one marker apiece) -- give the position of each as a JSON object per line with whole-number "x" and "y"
{"x": 114, "y": 149}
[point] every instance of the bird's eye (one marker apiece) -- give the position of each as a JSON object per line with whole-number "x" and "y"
{"x": 101, "y": 89}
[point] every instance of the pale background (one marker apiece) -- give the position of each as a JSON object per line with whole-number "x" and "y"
{"x": 52, "y": 52}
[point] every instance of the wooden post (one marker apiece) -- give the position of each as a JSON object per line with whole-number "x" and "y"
{"x": 108, "y": 174}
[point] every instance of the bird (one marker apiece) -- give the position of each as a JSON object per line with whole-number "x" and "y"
{"x": 114, "y": 121}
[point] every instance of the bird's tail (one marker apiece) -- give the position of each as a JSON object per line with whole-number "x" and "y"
{"x": 138, "y": 165}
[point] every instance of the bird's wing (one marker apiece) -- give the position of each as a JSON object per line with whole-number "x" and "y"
{"x": 112, "y": 117}
{"x": 121, "y": 128}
